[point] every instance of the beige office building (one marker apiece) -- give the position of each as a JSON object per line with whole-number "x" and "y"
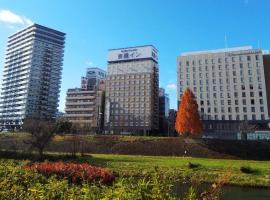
{"x": 85, "y": 107}
{"x": 230, "y": 85}
{"x": 132, "y": 91}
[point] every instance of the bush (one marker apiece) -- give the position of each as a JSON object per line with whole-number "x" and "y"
{"x": 247, "y": 170}
{"x": 193, "y": 165}
{"x": 75, "y": 173}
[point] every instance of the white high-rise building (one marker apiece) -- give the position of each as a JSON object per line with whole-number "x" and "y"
{"x": 32, "y": 75}
{"x": 132, "y": 90}
{"x": 229, "y": 84}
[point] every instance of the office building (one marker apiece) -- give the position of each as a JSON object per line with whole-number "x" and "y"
{"x": 164, "y": 103}
{"x": 164, "y": 107}
{"x": 93, "y": 76}
{"x": 132, "y": 91}
{"x": 231, "y": 86}
{"x": 32, "y": 75}
{"x": 85, "y": 105}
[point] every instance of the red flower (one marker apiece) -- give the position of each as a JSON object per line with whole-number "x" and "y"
{"x": 76, "y": 173}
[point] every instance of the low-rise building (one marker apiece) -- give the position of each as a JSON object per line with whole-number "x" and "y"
{"x": 85, "y": 105}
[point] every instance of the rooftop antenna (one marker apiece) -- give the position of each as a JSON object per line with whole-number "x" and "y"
{"x": 258, "y": 43}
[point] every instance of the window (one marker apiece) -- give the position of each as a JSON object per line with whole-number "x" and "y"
{"x": 252, "y": 109}
{"x": 237, "y": 109}
{"x": 261, "y": 101}
{"x": 241, "y": 66}
{"x": 257, "y": 57}
{"x": 236, "y": 102}
{"x": 245, "y": 109}
{"x": 252, "y": 101}
{"x": 260, "y": 94}
{"x": 262, "y": 109}
{"x": 251, "y": 94}
{"x": 248, "y": 58}
{"x": 244, "y": 102}
{"x": 243, "y": 94}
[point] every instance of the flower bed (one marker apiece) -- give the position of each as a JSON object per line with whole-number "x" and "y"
{"x": 76, "y": 173}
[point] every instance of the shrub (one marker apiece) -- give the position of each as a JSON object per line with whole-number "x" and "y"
{"x": 193, "y": 165}
{"x": 75, "y": 173}
{"x": 246, "y": 170}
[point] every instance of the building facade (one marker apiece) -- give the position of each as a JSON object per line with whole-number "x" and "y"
{"x": 132, "y": 91}
{"x": 93, "y": 76}
{"x": 85, "y": 105}
{"x": 32, "y": 75}
{"x": 85, "y": 108}
{"x": 230, "y": 86}
{"x": 164, "y": 107}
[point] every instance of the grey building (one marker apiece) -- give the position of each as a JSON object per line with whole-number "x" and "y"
{"x": 230, "y": 85}
{"x": 132, "y": 91}
{"x": 85, "y": 105}
{"x": 93, "y": 76}
{"x": 164, "y": 107}
{"x": 32, "y": 75}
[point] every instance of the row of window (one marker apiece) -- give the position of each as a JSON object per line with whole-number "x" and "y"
{"x": 122, "y": 94}
{"x": 220, "y": 74}
{"x": 129, "y": 88}
{"x": 229, "y": 102}
{"x": 130, "y": 105}
{"x": 129, "y": 111}
{"x": 230, "y": 117}
{"x": 229, "y": 110}
{"x": 130, "y": 124}
{"x": 122, "y": 77}
{"x": 220, "y": 60}
{"x": 137, "y": 82}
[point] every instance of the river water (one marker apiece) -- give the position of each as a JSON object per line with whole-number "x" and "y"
{"x": 228, "y": 192}
{"x": 245, "y": 193}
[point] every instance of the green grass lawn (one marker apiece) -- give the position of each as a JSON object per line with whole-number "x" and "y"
{"x": 209, "y": 170}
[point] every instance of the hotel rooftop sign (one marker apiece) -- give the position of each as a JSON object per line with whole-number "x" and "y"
{"x": 133, "y": 53}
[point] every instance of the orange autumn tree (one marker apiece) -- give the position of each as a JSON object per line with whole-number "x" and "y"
{"x": 188, "y": 118}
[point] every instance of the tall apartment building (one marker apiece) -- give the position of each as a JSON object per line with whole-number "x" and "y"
{"x": 132, "y": 88}
{"x": 85, "y": 105}
{"x": 32, "y": 75}
{"x": 230, "y": 85}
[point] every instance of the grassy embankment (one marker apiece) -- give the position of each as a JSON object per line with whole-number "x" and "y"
{"x": 205, "y": 170}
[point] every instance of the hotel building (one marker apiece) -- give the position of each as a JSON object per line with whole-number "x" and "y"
{"x": 132, "y": 91}
{"x": 32, "y": 75}
{"x": 231, "y": 85}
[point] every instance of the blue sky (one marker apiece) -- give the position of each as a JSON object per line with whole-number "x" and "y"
{"x": 173, "y": 26}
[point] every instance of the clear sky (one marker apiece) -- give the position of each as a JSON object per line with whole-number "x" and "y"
{"x": 172, "y": 26}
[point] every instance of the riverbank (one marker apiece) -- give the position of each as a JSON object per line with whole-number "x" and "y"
{"x": 147, "y": 146}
